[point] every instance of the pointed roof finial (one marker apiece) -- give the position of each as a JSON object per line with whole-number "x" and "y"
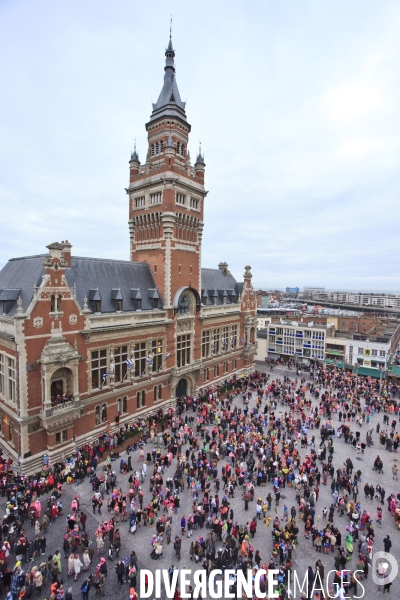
{"x": 170, "y": 47}
{"x": 200, "y": 157}
{"x": 134, "y": 154}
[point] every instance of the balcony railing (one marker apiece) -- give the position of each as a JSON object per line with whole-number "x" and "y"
{"x": 50, "y": 409}
{"x": 63, "y": 405}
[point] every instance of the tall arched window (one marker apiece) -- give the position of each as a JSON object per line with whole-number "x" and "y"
{"x": 124, "y": 404}
{"x": 97, "y": 415}
{"x": 152, "y": 150}
{"x": 157, "y": 392}
{"x": 119, "y": 406}
{"x": 11, "y": 432}
{"x": 1, "y": 424}
{"x": 103, "y": 413}
{"x": 141, "y": 399}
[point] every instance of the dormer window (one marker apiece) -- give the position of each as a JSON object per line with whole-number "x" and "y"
{"x": 136, "y": 298}
{"x": 154, "y": 298}
{"x": 116, "y": 296}
{"x": 95, "y": 298}
{"x": 8, "y": 297}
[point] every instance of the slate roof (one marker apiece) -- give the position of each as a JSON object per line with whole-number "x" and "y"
{"x": 114, "y": 280}
{"x": 215, "y": 284}
{"x": 93, "y": 277}
{"x": 106, "y": 280}
{"x": 23, "y": 274}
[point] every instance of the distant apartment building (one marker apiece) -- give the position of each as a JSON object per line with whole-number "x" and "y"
{"x": 359, "y": 299}
{"x": 364, "y": 343}
{"x": 284, "y": 340}
{"x": 313, "y": 289}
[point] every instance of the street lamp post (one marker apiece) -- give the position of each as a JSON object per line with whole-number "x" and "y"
{"x": 380, "y": 380}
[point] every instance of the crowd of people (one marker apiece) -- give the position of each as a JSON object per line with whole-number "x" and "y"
{"x": 267, "y": 433}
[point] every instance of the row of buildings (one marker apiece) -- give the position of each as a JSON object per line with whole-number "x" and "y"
{"x": 90, "y": 344}
{"x": 357, "y": 298}
{"x": 366, "y": 343}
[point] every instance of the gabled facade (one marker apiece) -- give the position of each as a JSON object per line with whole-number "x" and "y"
{"x": 88, "y": 344}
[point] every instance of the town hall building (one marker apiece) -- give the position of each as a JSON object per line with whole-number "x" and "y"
{"x": 86, "y": 342}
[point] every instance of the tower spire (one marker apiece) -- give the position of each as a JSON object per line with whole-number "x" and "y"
{"x": 169, "y": 103}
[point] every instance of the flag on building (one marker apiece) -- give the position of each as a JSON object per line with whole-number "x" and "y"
{"x": 106, "y": 374}
{"x": 167, "y": 355}
{"x": 129, "y": 364}
{"x": 149, "y": 360}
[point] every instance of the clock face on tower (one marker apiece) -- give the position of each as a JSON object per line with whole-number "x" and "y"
{"x": 184, "y": 304}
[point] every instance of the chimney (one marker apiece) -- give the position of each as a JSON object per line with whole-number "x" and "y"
{"x": 66, "y": 252}
{"x": 223, "y": 266}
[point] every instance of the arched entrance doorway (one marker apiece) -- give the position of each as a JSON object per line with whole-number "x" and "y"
{"x": 181, "y": 388}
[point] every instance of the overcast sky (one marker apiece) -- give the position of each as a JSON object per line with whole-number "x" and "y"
{"x": 296, "y": 105}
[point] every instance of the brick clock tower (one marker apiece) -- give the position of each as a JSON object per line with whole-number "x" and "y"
{"x": 69, "y": 324}
{"x": 166, "y": 197}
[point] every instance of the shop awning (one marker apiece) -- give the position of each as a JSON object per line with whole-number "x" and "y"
{"x": 394, "y": 370}
{"x": 369, "y": 372}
